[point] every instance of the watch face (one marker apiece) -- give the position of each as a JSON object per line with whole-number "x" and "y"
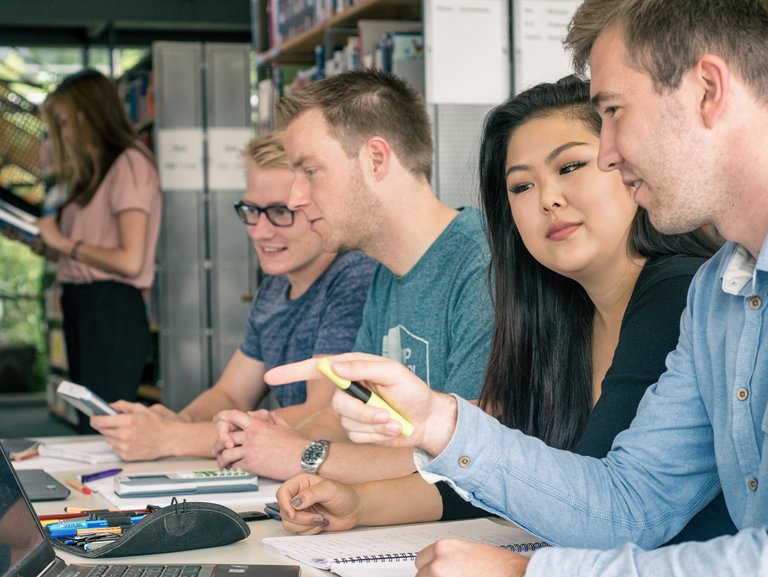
{"x": 314, "y": 452}
{"x": 314, "y": 455}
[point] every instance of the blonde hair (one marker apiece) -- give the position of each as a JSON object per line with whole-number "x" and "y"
{"x": 267, "y": 150}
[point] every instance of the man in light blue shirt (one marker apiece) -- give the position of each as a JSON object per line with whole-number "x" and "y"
{"x": 682, "y": 89}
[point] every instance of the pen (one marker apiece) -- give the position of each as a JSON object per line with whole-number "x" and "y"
{"x": 79, "y": 486}
{"x": 63, "y": 533}
{"x": 57, "y": 517}
{"x": 92, "y": 510}
{"x": 98, "y": 544}
{"x": 363, "y": 394}
{"x": 23, "y": 455}
{"x": 100, "y": 475}
{"x": 91, "y": 523}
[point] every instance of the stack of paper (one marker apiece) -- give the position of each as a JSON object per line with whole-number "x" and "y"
{"x": 93, "y": 452}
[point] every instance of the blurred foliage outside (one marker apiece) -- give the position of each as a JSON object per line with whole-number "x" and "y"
{"x": 22, "y": 318}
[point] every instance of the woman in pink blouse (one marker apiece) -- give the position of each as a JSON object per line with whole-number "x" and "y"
{"x": 104, "y": 235}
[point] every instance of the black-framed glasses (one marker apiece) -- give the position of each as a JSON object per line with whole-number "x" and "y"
{"x": 278, "y": 215}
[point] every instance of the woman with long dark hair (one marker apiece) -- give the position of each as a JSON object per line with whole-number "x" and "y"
{"x": 587, "y": 297}
{"x": 104, "y": 236}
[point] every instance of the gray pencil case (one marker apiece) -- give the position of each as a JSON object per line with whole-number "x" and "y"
{"x": 178, "y": 527}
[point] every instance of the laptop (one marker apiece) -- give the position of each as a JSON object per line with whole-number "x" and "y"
{"x": 40, "y": 486}
{"x": 25, "y": 550}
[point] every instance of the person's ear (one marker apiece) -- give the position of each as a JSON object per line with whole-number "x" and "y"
{"x": 714, "y": 77}
{"x": 380, "y": 156}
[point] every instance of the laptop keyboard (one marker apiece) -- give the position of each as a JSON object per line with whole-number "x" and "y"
{"x": 138, "y": 571}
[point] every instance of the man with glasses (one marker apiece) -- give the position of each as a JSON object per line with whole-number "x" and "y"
{"x": 309, "y": 304}
{"x": 360, "y": 146}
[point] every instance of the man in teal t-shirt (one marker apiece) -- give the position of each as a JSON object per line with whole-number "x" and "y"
{"x": 360, "y": 147}
{"x": 436, "y": 319}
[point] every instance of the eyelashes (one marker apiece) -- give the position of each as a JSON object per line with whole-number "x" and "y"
{"x": 565, "y": 169}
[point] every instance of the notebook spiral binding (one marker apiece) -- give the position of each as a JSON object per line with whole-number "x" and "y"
{"x": 526, "y": 547}
{"x": 391, "y": 557}
{"x": 376, "y": 558}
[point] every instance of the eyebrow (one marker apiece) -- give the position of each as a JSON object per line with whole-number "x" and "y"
{"x": 550, "y": 157}
{"x": 602, "y": 96}
{"x": 299, "y": 162}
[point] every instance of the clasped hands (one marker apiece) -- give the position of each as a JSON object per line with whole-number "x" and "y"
{"x": 258, "y": 441}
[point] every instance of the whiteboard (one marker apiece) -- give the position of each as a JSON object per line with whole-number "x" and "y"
{"x": 539, "y": 29}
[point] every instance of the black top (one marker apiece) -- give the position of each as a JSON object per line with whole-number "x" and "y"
{"x": 649, "y": 332}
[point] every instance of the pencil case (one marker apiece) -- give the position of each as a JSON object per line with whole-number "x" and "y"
{"x": 178, "y": 527}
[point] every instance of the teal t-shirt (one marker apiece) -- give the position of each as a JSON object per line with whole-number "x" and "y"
{"x": 437, "y": 319}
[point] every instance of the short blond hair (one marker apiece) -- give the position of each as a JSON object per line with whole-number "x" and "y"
{"x": 267, "y": 150}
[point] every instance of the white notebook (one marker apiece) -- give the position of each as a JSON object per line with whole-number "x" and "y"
{"x": 93, "y": 452}
{"x": 394, "y": 547}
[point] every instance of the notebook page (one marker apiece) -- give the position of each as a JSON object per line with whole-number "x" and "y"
{"x": 321, "y": 550}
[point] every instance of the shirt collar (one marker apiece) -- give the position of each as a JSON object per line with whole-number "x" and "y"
{"x": 740, "y": 268}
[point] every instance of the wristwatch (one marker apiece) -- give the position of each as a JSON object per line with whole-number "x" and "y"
{"x": 314, "y": 455}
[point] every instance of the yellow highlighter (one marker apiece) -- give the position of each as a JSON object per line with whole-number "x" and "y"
{"x": 362, "y": 393}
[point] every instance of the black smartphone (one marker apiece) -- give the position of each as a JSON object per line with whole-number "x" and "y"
{"x": 273, "y": 510}
{"x": 254, "y": 516}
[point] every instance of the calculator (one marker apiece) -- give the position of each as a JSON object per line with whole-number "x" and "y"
{"x": 185, "y": 483}
{"x": 84, "y": 399}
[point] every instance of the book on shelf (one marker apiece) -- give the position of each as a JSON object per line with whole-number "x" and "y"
{"x": 403, "y": 56}
{"x": 395, "y": 546}
{"x": 371, "y": 32}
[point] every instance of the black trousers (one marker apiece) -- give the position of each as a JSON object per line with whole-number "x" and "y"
{"x": 107, "y": 337}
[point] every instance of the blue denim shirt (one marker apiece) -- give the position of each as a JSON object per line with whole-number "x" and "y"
{"x": 702, "y": 426}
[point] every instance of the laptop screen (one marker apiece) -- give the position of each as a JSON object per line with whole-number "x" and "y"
{"x": 24, "y": 550}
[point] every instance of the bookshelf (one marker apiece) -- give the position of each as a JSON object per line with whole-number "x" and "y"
{"x": 463, "y": 65}
{"x": 299, "y": 47}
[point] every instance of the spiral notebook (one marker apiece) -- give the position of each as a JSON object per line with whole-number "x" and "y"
{"x": 353, "y": 553}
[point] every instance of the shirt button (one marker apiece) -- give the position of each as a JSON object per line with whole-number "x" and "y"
{"x": 752, "y": 484}
{"x": 755, "y": 303}
{"x": 742, "y": 394}
{"x": 464, "y": 462}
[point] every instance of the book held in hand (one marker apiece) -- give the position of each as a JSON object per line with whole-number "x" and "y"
{"x": 18, "y": 222}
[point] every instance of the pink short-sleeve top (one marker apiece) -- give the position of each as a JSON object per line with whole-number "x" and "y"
{"x": 132, "y": 183}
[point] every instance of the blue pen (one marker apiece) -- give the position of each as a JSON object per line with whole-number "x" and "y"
{"x": 99, "y": 475}
{"x": 69, "y": 528}
{"x": 98, "y": 544}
